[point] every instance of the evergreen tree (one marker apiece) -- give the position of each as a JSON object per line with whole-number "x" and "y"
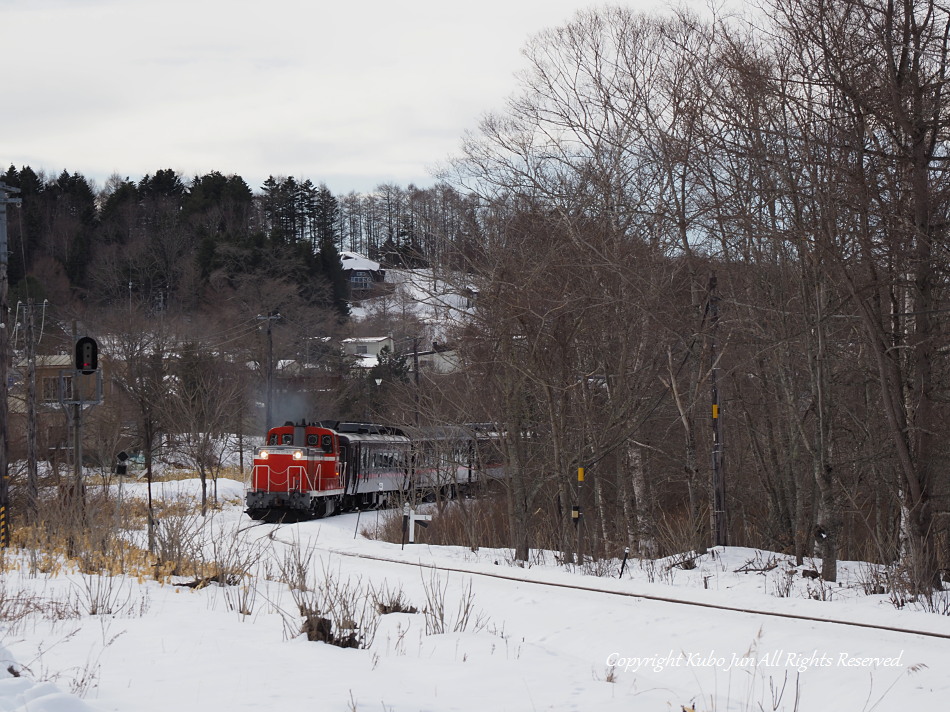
{"x": 165, "y": 184}
{"x": 391, "y": 367}
{"x": 23, "y": 234}
{"x": 281, "y": 203}
{"x": 119, "y": 213}
{"x": 408, "y": 249}
{"x": 332, "y": 268}
{"x": 326, "y": 217}
{"x": 73, "y": 220}
{"x": 218, "y": 210}
{"x": 307, "y": 210}
{"x": 205, "y": 193}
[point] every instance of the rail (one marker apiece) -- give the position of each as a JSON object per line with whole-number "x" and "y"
{"x": 672, "y": 599}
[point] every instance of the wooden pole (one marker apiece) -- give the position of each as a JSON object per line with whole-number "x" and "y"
{"x": 32, "y": 473}
{"x": 720, "y": 537}
{"x": 5, "y": 200}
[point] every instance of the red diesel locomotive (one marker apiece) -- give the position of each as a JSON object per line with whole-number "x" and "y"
{"x": 306, "y": 471}
{"x": 297, "y": 474}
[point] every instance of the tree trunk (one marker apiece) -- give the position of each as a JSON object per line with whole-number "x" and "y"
{"x": 645, "y": 526}
{"x": 829, "y": 508}
{"x": 601, "y": 516}
{"x": 695, "y": 491}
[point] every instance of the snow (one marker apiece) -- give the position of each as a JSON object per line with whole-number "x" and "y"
{"x": 530, "y": 642}
{"x": 356, "y": 261}
{"x": 439, "y": 303}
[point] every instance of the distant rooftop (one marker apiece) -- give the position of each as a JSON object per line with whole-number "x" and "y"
{"x": 355, "y": 261}
{"x": 366, "y": 339}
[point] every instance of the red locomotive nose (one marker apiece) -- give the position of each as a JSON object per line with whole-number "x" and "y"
{"x": 293, "y": 471}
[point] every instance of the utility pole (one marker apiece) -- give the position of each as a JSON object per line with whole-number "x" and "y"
{"x": 718, "y": 476}
{"x": 415, "y": 373}
{"x": 270, "y": 375}
{"x": 577, "y": 514}
{"x": 32, "y": 474}
{"x": 76, "y": 419}
{"x": 269, "y": 407}
{"x": 6, "y": 193}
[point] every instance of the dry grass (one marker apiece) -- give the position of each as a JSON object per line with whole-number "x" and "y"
{"x": 678, "y": 534}
{"x": 441, "y": 620}
{"x": 175, "y": 474}
{"x": 98, "y": 535}
{"x": 333, "y": 610}
{"x": 471, "y": 523}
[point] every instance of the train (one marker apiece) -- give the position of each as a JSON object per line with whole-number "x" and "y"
{"x": 311, "y": 470}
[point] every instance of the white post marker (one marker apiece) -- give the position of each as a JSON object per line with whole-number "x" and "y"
{"x": 379, "y": 503}
{"x": 422, "y": 519}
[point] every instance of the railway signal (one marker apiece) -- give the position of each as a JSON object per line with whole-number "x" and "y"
{"x": 74, "y": 397}
{"x": 87, "y": 355}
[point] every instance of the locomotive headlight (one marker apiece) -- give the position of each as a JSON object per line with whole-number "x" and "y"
{"x": 298, "y": 454}
{"x": 264, "y": 454}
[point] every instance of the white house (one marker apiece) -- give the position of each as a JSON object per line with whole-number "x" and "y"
{"x": 366, "y": 349}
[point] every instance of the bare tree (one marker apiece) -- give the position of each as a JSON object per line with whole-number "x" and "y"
{"x": 603, "y": 136}
{"x": 140, "y": 365}
{"x": 875, "y": 75}
{"x": 199, "y": 409}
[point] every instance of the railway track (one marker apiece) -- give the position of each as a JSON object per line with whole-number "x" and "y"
{"x": 625, "y": 594}
{"x": 645, "y": 596}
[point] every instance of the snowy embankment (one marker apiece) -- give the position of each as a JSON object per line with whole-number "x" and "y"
{"x": 510, "y": 643}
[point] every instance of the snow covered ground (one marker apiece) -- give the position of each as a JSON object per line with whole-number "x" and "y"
{"x": 434, "y": 301}
{"x": 508, "y": 641}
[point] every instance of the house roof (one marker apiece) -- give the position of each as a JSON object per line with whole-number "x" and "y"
{"x": 366, "y": 339}
{"x": 355, "y": 261}
{"x": 50, "y": 361}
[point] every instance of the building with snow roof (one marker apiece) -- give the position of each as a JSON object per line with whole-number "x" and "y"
{"x": 364, "y": 275}
{"x": 366, "y": 349}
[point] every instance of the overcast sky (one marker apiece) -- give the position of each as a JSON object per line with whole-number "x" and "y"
{"x": 352, "y": 93}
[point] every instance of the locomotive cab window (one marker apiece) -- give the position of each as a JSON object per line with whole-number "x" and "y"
{"x": 286, "y": 439}
{"x": 313, "y": 439}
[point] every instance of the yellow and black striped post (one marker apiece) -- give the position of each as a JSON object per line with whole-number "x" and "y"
{"x": 718, "y": 518}
{"x": 4, "y": 535}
